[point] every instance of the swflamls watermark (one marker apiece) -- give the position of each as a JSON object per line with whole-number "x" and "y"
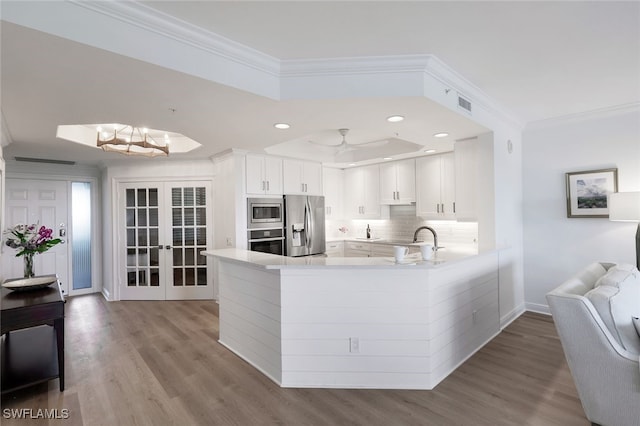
{"x": 38, "y": 413}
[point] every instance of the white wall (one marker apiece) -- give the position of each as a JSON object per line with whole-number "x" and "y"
{"x": 556, "y": 247}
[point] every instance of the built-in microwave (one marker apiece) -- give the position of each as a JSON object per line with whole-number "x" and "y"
{"x": 265, "y": 213}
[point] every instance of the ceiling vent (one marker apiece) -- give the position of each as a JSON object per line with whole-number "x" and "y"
{"x": 465, "y": 104}
{"x": 44, "y": 160}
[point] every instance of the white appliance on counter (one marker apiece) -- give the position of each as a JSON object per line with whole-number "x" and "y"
{"x": 304, "y": 225}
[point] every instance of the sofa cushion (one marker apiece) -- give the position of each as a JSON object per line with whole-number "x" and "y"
{"x": 618, "y": 274}
{"x": 617, "y": 300}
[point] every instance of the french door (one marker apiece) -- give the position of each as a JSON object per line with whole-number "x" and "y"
{"x": 161, "y": 231}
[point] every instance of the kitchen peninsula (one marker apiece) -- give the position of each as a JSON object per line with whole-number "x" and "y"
{"x": 356, "y": 322}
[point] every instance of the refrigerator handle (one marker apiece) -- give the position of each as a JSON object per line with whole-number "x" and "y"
{"x": 308, "y": 225}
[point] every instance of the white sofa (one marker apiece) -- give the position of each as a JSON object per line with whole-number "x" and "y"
{"x": 601, "y": 344}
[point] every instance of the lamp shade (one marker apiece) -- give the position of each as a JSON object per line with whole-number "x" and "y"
{"x": 624, "y": 206}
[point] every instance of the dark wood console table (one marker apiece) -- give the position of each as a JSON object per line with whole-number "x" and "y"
{"x": 32, "y": 351}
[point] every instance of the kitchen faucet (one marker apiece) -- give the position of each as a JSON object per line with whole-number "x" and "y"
{"x": 433, "y": 231}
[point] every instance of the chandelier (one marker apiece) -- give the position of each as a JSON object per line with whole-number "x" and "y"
{"x": 130, "y": 140}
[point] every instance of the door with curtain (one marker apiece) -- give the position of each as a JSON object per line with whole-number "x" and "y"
{"x": 162, "y": 229}
{"x": 44, "y": 202}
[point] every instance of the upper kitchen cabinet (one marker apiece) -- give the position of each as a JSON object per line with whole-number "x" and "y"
{"x": 362, "y": 193}
{"x": 466, "y": 159}
{"x": 398, "y": 182}
{"x": 435, "y": 187}
{"x": 302, "y": 177}
{"x": 333, "y": 187}
{"x": 264, "y": 175}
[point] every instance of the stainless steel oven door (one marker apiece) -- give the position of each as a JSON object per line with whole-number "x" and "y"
{"x": 268, "y": 245}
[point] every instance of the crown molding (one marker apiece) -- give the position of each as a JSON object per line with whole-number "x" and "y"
{"x": 353, "y": 65}
{"x": 5, "y": 136}
{"x": 633, "y": 107}
{"x": 152, "y": 20}
{"x": 449, "y": 77}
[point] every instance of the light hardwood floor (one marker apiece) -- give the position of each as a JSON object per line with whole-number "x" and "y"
{"x": 159, "y": 363}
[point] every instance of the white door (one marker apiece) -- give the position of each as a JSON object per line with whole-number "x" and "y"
{"x": 162, "y": 230}
{"x": 44, "y": 202}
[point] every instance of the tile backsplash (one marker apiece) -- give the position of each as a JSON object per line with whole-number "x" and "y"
{"x": 401, "y": 225}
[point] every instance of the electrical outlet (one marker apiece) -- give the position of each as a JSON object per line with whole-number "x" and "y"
{"x": 229, "y": 242}
{"x": 354, "y": 345}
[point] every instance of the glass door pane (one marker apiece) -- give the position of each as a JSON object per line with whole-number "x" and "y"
{"x": 142, "y": 239}
{"x": 189, "y": 211}
{"x": 81, "y": 234}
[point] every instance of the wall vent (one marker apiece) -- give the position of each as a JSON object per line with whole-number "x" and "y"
{"x": 44, "y": 160}
{"x": 463, "y": 103}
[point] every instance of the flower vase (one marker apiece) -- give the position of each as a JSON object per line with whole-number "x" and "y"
{"x": 28, "y": 265}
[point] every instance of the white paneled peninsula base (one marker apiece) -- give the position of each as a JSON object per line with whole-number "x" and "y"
{"x": 356, "y": 322}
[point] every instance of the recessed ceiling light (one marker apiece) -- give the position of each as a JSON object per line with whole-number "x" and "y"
{"x": 387, "y": 158}
{"x": 352, "y": 164}
{"x": 282, "y": 126}
{"x": 429, "y": 151}
{"x": 441, "y": 135}
{"x": 395, "y": 118}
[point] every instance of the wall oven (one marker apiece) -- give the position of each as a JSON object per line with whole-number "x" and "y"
{"x": 265, "y": 225}
{"x": 265, "y": 213}
{"x": 266, "y": 240}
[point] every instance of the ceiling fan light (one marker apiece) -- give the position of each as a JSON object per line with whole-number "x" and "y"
{"x": 440, "y": 135}
{"x": 282, "y": 126}
{"x": 395, "y": 118}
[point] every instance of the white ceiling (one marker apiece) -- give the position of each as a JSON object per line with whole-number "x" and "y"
{"x": 537, "y": 59}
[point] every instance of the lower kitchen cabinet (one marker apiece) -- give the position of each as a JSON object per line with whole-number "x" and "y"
{"x": 335, "y": 249}
{"x": 357, "y": 249}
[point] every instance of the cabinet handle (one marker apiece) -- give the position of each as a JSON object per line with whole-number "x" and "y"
{"x": 442, "y": 208}
{"x": 454, "y": 206}
{"x": 438, "y": 207}
{"x": 306, "y": 188}
{"x": 398, "y": 194}
{"x": 267, "y": 185}
{"x": 263, "y": 186}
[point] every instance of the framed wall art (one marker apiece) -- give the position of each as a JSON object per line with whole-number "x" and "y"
{"x": 587, "y": 192}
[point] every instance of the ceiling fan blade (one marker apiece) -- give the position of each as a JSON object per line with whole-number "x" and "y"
{"x": 370, "y": 144}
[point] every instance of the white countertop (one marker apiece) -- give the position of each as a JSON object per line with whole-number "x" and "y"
{"x": 272, "y": 261}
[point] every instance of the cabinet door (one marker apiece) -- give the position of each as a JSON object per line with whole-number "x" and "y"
{"x": 466, "y": 167}
{"x": 371, "y": 192}
{"x": 312, "y": 178}
{"x": 256, "y": 182}
{"x": 273, "y": 175}
{"x": 292, "y": 174}
{"x": 388, "y": 183}
{"x": 406, "y": 178}
{"x": 448, "y": 187}
{"x": 333, "y": 186}
{"x": 354, "y": 187}
{"x": 428, "y": 187}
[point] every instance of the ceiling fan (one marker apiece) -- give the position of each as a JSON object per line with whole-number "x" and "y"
{"x": 345, "y": 146}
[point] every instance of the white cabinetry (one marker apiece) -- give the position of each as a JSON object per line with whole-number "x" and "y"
{"x": 335, "y": 249}
{"x": 264, "y": 175}
{"x": 435, "y": 187}
{"x": 333, "y": 187}
{"x": 357, "y": 249}
{"x": 302, "y": 177}
{"x": 362, "y": 193}
{"x": 466, "y": 160}
{"x": 398, "y": 182}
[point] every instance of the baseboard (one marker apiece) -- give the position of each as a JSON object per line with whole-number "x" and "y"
{"x": 106, "y": 294}
{"x": 539, "y": 308}
{"x": 510, "y": 317}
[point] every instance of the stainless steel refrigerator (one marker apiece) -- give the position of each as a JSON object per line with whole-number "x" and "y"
{"x": 304, "y": 225}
